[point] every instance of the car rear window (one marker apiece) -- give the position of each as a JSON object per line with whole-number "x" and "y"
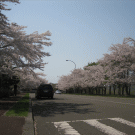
{"x": 45, "y": 87}
{"x": 58, "y": 91}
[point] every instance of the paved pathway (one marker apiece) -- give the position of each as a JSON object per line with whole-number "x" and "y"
{"x": 10, "y": 125}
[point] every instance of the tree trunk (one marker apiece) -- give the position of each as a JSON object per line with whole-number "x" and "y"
{"x": 123, "y": 89}
{"x": 102, "y": 90}
{"x": 129, "y": 89}
{"x": 81, "y": 91}
{"x": 109, "y": 90}
{"x": 78, "y": 90}
{"x": 119, "y": 90}
{"x": 99, "y": 90}
{"x": 96, "y": 91}
{"x": 114, "y": 88}
{"x": 89, "y": 91}
{"x": 105, "y": 91}
{"x": 85, "y": 91}
{"x": 92, "y": 91}
{"x": 127, "y": 93}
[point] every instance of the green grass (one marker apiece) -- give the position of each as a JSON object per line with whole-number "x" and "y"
{"x": 21, "y": 108}
{"x": 107, "y": 95}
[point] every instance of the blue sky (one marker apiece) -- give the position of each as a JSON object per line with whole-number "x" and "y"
{"x": 82, "y": 30}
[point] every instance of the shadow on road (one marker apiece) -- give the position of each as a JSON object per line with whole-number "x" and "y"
{"x": 50, "y": 107}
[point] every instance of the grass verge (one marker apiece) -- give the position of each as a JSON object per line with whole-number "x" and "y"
{"x": 107, "y": 95}
{"x": 21, "y": 108}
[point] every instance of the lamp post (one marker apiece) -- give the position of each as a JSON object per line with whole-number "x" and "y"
{"x": 75, "y": 68}
{"x": 73, "y": 62}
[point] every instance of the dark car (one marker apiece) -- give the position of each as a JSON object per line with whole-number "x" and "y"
{"x": 44, "y": 90}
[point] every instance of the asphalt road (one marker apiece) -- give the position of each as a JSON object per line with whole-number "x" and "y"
{"x": 84, "y": 115}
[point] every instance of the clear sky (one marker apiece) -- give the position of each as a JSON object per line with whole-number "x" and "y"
{"x": 82, "y": 30}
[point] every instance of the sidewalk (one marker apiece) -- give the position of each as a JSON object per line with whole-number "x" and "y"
{"x": 15, "y": 125}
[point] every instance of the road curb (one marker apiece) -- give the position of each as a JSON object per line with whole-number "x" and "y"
{"x": 28, "y": 127}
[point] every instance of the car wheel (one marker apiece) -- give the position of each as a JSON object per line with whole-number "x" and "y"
{"x": 7, "y": 95}
{"x": 51, "y": 97}
{"x": 38, "y": 97}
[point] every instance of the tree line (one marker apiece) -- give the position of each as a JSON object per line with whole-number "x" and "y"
{"x": 114, "y": 70}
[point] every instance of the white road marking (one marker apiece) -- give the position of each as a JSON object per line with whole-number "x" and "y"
{"x": 64, "y": 126}
{"x": 76, "y": 120}
{"x": 59, "y": 121}
{"x": 104, "y": 128}
{"x": 123, "y": 121}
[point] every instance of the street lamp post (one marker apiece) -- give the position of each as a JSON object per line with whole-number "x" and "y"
{"x": 75, "y": 68}
{"x": 73, "y": 62}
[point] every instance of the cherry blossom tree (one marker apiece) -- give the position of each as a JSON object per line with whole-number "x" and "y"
{"x": 69, "y": 81}
{"x": 90, "y": 64}
{"x": 118, "y": 64}
{"x": 82, "y": 79}
{"x": 20, "y": 50}
{"x": 31, "y": 82}
{"x": 95, "y": 77}
{"x": 63, "y": 83}
{"x": 20, "y": 53}
{"x": 77, "y": 77}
